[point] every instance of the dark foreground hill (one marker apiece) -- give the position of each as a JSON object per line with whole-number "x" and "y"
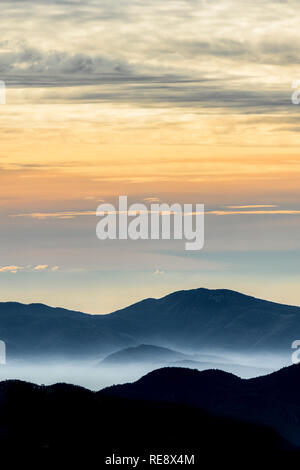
{"x": 272, "y": 400}
{"x": 65, "y": 423}
{"x": 188, "y": 320}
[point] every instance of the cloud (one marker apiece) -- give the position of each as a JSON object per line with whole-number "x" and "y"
{"x": 93, "y": 198}
{"x": 31, "y": 67}
{"x": 252, "y": 206}
{"x": 55, "y": 215}
{"x": 255, "y": 212}
{"x": 28, "y": 268}
{"x": 11, "y": 269}
{"x": 257, "y": 209}
{"x": 159, "y": 271}
{"x": 151, "y": 199}
{"x": 40, "y": 267}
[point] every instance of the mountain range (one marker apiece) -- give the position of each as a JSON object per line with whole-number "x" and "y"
{"x": 189, "y": 320}
{"x": 211, "y": 415}
{"x": 150, "y": 356}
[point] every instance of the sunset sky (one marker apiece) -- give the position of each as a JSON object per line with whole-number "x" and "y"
{"x": 182, "y": 101}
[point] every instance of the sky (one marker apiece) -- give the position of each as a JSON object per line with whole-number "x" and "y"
{"x": 183, "y": 101}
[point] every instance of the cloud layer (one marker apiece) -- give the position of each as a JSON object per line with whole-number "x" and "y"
{"x": 194, "y": 53}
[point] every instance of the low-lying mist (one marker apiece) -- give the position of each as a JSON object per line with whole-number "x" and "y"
{"x": 96, "y": 375}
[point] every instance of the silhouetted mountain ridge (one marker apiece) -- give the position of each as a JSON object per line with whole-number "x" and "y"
{"x": 186, "y": 320}
{"x": 272, "y": 400}
{"x": 212, "y": 414}
{"x": 211, "y": 318}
